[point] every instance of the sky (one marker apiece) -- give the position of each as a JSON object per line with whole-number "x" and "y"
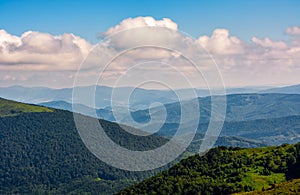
{"x": 42, "y": 43}
{"x": 87, "y": 18}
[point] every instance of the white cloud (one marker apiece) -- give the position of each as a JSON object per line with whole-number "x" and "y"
{"x": 261, "y": 61}
{"x": 141, "y": 22}
{"x": 231, "y": 51}
{"x": 41, "y": 51}
{"x": 131, "y": 32}
{"x": 57, "y": 57}
{"x": 221, "y": 43}
{"x": 295, "y": 30}
{"x": 6, "y": 39}
{"x": 268, "y": 43}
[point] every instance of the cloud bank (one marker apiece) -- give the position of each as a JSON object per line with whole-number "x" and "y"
{"x": 37, "y": 58}
{"x": 36, "y": 51}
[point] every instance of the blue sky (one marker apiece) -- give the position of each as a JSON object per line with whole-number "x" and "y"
{"x": 244, "y": 19}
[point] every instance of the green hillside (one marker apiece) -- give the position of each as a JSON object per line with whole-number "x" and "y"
{"x": 225, "y": 171}
{"x": 288, "y": 188}
{"x": 42, "y": 153}
{"x": 12, "y": 108}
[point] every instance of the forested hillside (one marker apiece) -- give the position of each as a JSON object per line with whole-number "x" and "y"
{"x": 41, "y": 152}
{"x": 291, "y": 187}
{"x": 227, "y": 170}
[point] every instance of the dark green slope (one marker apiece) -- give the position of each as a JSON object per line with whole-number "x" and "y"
{"x": 225, "y": 171}
{"x": 42, "y": 152}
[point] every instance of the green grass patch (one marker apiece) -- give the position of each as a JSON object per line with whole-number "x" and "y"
{"x": 289, "y": 187}
{"x": 258, "y": 181}
{"x": 12, "y": 108}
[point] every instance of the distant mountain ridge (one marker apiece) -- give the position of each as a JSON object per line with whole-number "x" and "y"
{"x": 140, "y": 99}
{"x": 100, "y": 113}
{"x": 240, "y": 107}
{"x": 294, "y": 89}
{"x": 267, "y": 118}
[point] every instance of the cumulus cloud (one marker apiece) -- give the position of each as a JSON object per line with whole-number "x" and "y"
{"x": 258, "y": 51}
{"x": 221, "y": 43}
{"x": 41, "y": 51}
{"x": 259, "y": 61}
{"x": 141, "y": 22}
{"x": 132, "y": 32}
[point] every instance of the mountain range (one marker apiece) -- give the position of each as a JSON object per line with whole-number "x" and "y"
{"x": 294, "y": 89}
{"x": 42, "y": 152}
{"x": 270, "y": 118}
{"x": 140, "y": 98}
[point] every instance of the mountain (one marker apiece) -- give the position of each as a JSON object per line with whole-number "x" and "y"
{"x": 294, "y": 89}
{"x": 266, "y": 118}
{"x": 240, "y": 107}
{"x": 63, "y": 105}
{"x": 240, "y": 90}
{"x": 261, "y": 106}
{"x": 85, "y": 110}
{"x": 227, "y": 170}
{"x": 274, "y": 131}
{"x": 229, "y": 141}
{"x": 34, "y": 94}
{"x": 139, "y": 99}
{"x": 42, "y": 153}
